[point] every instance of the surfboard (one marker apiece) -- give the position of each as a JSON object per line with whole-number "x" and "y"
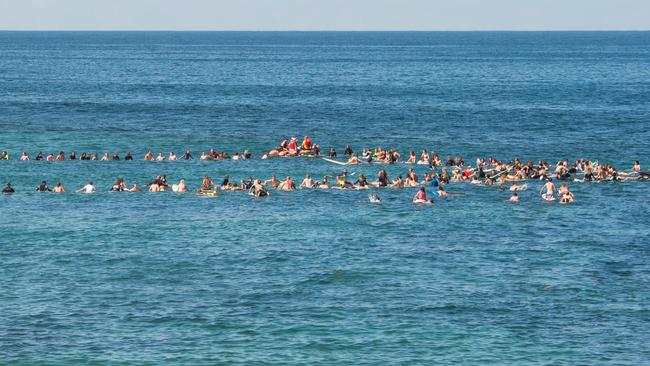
{"x": 334, "y": 161}
{"x": 548, "y": 197}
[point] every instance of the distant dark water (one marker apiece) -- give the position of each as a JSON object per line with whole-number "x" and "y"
{"x": 322, "y": 277}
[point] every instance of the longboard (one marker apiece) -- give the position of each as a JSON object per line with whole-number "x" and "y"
{"x": 334, "y": 161}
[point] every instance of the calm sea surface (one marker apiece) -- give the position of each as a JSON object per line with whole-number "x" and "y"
{"x": 322, "y": 277}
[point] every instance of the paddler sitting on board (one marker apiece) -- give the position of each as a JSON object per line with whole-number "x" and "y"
{"x": 353, "y": 160}
{"x": 421, "y": 197}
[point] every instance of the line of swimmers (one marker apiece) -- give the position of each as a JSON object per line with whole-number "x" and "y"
{"x": 149, "y": 156}
{"x": 485, "y": 172}
{"x": 259, "y": 188}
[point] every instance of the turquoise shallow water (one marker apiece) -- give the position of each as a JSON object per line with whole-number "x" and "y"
{"x": 322, "y": 277}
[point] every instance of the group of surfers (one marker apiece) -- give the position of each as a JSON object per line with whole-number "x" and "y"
{"x": 71, "y": 156}
{"x": 343, "y": 181}
{"x": 149, "y": 156}
{"x": 485, "y": 171}
{"x": 290, "y": 148}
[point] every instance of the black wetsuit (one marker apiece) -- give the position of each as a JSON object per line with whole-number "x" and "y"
{"x": 43, "y": 188}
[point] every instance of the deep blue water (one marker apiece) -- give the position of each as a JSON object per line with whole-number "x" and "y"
{"x": 322, "y": 277}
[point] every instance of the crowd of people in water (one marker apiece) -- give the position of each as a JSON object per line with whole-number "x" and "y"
{"x": 434, "y": 180}
{"x": 259, "y": 188}
{"x": 440, "y": 172}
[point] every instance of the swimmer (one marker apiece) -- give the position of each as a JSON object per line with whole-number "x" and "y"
{"x": 8, "y": 189}
{"x": 353, "y": 160}
{"x": 564, "y": 188}
{"x": 118, "y": 186}
{"x": 566, "y": 196}
{"x": 287, "y": 185}
{"x": 24, "y": 156}
{"x": 273, "y": 182}
{"x": 258, "y": 189}
{"x": 343, "y": 183}
{"x": 4, "y": 155}
{"x": 325, "y": 184}
{"x": 411, "y": 179}
{"x": 160, "y": 157}
{"x": 442, "y": 193}
{"x": 347, "y": 151}
{"x": 88, "y": 188}
{"x": 43, "y": 187}
{"x": 412, "y": 158}
{"x": 135, "y": 188}
{"x": 155, "y": 187}
{"x": 206, "y": 184}
{"x": 361, "y": 182}
{"x": 116, "y": 156}
{"x": 373, "y": 198}
{"x": 398, "y": 182}
{"x": 292, "y": 147}
{"x": 181, "y": 187}
{"x": 225, "y": 182}
{"x": 550, "y": 190}
{"x": 382, "y": 179}
{"x": 172, "y": 156}
{"x": 307, "y": 182}
{"x": 105, "y": 157}
{"x": 424, "y": 158}
{"x": 513, "y": 198}
{"x": 516, "y": 187}
{"x": 305, "y": 147}
{"x": 58, "y": 188}
{"x": 421, "y": 197}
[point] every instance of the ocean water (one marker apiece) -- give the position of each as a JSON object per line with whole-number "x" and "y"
{"x": 322, "y": 277}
